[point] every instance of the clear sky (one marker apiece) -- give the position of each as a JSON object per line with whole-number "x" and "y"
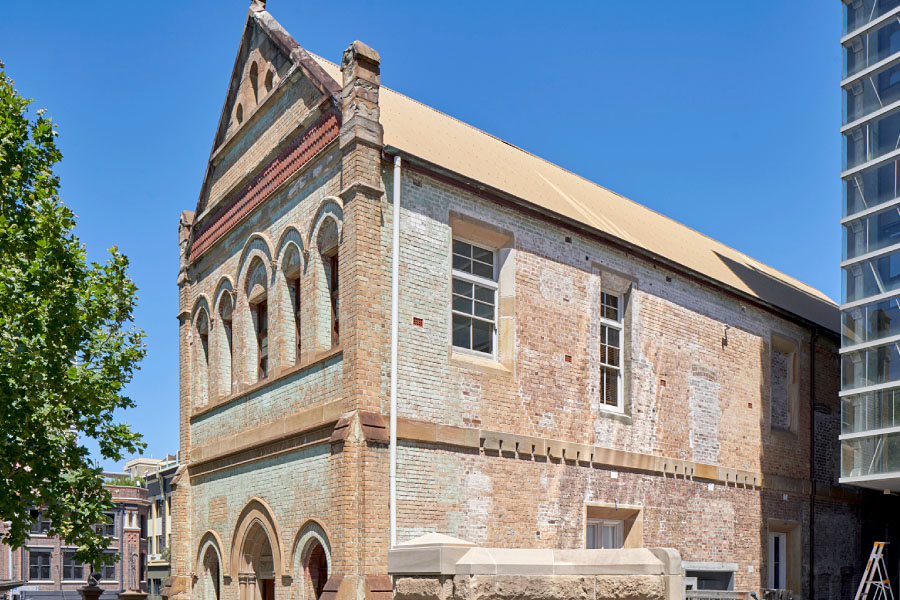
{"x": 724, "y": 115}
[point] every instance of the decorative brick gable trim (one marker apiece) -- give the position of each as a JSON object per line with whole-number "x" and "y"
{"x": 267, "y": 181}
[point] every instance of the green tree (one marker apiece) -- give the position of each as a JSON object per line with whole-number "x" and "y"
{"x": 67, "y": 345}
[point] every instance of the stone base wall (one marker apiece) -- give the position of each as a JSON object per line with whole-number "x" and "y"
{"x": 525, "y": 587}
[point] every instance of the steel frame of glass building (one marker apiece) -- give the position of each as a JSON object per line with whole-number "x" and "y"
{"x": 870, "y": 266}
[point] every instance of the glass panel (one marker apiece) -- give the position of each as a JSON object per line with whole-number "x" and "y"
{"x": 871, "y": 455}
{"x": 485, "y": 311}
{"x": 609, "y": 345}
{"x": 462, "y": 304}
{"x": 870, "y": 366}
{"x": 461, "y": 263}
{"x": 871, "y": 233}
{"x": 865, "y": 50}
{"x": 610, "y": 305}
{"x": 463, "y": 288}
{"x": 482, "y": 336}
{"x": 483, "y": 270}
{"x": 857, "y": 14}
{"x": 484, "y": 294}
{"x": 483, "y": 255}
{"x": 871, "y": 322}
{"x": 462, "y": 248}
{"x": 871, "y": 93}
{"x": 871, "y": 140}
{"x": 871, "y": 277}
{"x": 609, "y": 382}
{"x": 871, "y": 187}
{"x": 462, "y": 336}
{"x": 609, "y": 536}
{"x": 591, "y": 541}
{"x": 872, "y": 410}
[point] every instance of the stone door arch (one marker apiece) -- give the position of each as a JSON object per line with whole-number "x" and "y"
{"x": 256, "y": 553}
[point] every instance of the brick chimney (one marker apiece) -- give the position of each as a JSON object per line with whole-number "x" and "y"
{"x": 361, "y": 66}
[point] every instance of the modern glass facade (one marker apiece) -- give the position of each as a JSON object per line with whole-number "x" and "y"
{"x": 870, "y": 267}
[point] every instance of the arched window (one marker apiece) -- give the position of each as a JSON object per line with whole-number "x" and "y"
{"x": 254, "y": 81}
{"x": 292, "y": 264}
{"x": 269, "y": 80}
{"x": 257, "y": 297}
{"x": 327, "y": 242}
{"x": 224, "y": 343}
{"x": 239, "y": 113}
{"x": 201, "y": 352}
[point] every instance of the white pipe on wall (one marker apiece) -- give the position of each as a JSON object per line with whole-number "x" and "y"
{"x": 395, "y": 310}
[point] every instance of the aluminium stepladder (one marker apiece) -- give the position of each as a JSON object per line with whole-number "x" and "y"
{"x": 875, "y": 575}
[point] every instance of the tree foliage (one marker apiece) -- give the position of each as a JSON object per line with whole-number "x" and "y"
{"x": 67, "y": 345}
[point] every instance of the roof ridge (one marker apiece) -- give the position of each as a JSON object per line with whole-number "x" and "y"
{"x": 789, "y": 279}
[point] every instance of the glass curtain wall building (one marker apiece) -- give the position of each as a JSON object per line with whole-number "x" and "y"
{"x": 870, "y": 267}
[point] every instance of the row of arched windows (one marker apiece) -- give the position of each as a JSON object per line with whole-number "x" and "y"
{"x": 283, "y": 308}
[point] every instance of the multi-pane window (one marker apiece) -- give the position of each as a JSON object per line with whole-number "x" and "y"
{"x": 109, "y": 527}
{"x": 262, "y": 338}
{"x": 39, "y": 564}
{"x": 474, "y": 297}
{"x": 40, "y": 525}
{"x": 611, "y": 351}
{"x": 72, "y": 568}
{"x": 602, "y": 534}
{"x": 108, "y": 572}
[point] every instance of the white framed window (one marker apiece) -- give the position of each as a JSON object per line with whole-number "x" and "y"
{"x": 474, "y": 305}
{"x": 611, "y": 336}
{"x": 777, "y": 560}
{"x": 604, "y": 534}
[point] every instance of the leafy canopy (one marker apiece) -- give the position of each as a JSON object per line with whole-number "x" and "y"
{"x": 67, "y": 345}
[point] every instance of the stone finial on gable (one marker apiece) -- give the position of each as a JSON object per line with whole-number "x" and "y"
{"x": 361, "y": 68}
{"x": 258, "y": 5}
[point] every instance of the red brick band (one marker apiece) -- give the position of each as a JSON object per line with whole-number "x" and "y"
{"x": 289, "y": 161}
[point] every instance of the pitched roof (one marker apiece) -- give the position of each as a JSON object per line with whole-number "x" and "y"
{"x": 444, "y": 141}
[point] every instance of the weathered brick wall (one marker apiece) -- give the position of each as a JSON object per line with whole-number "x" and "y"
{"x": 698, "y": 387}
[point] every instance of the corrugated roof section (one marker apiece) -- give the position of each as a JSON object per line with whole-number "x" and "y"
{"x": 456, "y": 146}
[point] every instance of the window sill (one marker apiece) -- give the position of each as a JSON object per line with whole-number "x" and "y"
{"x": 477, "y": 363}
{"x": 618, "y": 415}
{"x": 304, "y": 364}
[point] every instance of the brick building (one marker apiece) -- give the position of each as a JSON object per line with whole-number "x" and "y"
{"x": 46, "y": 568}
{"x": 574, "y": 369}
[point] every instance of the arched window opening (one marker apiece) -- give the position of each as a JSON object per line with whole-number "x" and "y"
{"x": 327, "y": 285}
{"x": 261, "y": 322}
{"x": 254, "y": 81}
{"x": 292, "y": 267}
{"x": 201, "y": 326}
{"x": 333, "y": 292}
{"x": 269, "y": 80}
{"x": 239, "y": 113}
{"x": 225, "y": 342}
{"x": 257, "y": 296}
{"x": 317, "y": 569}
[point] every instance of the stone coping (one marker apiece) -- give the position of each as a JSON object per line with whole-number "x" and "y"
{"x": 430, "y": 555}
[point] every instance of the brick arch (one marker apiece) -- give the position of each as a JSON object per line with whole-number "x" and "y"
{"x": 291, "y": 236}
{"x": 198, "y": 356}
{"x": 208, "y": 540}
{"x": 257, "y": 511}
{"x": 311, "y": 538}
{"x": 330, "y": 208}
{"x": 256, "y": 245}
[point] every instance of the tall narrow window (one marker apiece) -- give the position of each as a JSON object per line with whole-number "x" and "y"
{"x": 262, "y": 338}
{"x": 474, "y": 305}
{"x": 333, "y": 291}
{"x": 294, "y": 291}
{"x": 610, "y": 350}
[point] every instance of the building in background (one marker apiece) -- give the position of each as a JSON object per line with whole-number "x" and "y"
{"x": 870, "y": 302}
{"x": 159, "y": 524}
{"x": 47, "y": 568}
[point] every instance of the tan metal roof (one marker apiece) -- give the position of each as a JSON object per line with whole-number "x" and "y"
{"x": 456, "y": 146}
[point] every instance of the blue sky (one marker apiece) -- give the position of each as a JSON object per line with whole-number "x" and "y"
{"x": 722, "y": 115}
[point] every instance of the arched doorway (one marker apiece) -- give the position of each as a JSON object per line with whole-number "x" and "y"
{"x": 315, "y": 568}
{"x": 210, "y": 576}
{"x": 257, "y": 574}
